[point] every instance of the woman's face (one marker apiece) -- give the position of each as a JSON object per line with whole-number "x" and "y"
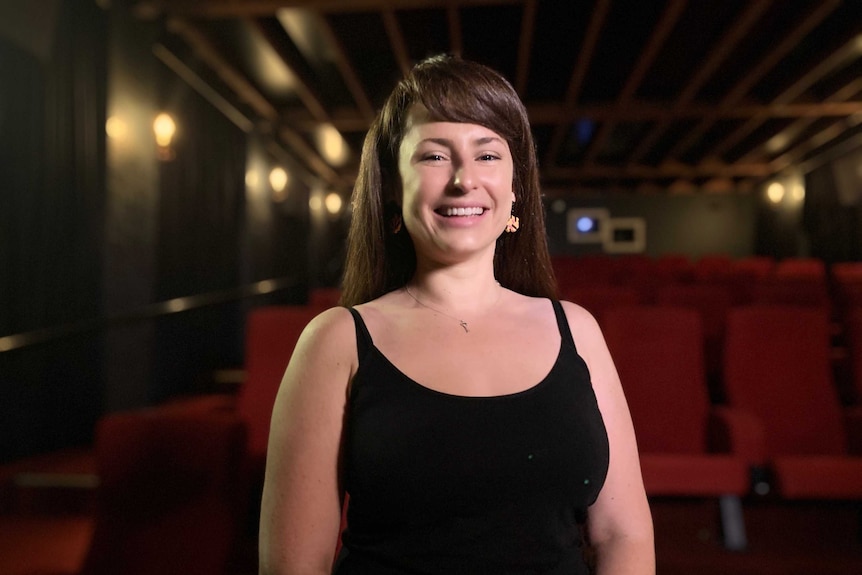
{"x": 456, "y": 186}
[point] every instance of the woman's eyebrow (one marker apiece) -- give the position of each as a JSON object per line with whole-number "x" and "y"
{"x": 478, "y": 141}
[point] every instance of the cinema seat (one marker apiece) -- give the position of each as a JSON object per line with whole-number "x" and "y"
{"x": 271, "y": 334}
{"x": 166, "y": 502}
{"x": 777, "y": 366}
{"x": 688, "y": 447}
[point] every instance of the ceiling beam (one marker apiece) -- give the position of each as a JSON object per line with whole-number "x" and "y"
{"x": 246, "y": 92}
{"x": 525, "y": 44}
{"x": 665, "y": 171}
{"x": 782, "y": 139}
{"x": 665, "y": 26}
{"x": 836, "y": 60}
{"x": 258, "y": 8}
{"x": 305, "y": 89}
{"x": 347, "y": 120}
{"x": 754, "y": 75}
{"x": 347, "y": 71}
{"x": 704, "y": 72}
{"x": 396, "y": 41}
{"x": 456, "y": 39}
{"x": 585, "y": 56}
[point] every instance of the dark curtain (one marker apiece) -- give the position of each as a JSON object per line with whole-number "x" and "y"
{"x": 52, "y": 196}
{"x": 832, "y": 225}
{"x": 202, "y": 203}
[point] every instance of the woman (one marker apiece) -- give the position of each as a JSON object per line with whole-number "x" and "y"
{"x": 476, "y": 424}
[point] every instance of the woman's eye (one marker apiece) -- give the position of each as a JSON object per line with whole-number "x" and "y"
{"x": 433, "y": 158}
{"x": 488, "y": 157}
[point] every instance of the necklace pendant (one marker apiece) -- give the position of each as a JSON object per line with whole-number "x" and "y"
{"x": 464, "y": 325}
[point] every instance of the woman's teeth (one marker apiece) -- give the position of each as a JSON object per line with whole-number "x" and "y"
{"x": 462, "y": 211}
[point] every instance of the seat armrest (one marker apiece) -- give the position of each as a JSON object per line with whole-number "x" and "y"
{"x": 853, "y": 425}
{"x": 737, "y": 432}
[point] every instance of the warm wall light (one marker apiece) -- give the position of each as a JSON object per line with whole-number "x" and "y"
{"x": 116, "y": 128}
{"x": 775, "y": 192}
{"x": 333, "y": 203}
{"x": 278, "y": 180}
{"x": 331, "y": 145}
{"x": 164, "y": 128}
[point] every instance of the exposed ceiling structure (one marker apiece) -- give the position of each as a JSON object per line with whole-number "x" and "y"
{"x": 625, "y": 95}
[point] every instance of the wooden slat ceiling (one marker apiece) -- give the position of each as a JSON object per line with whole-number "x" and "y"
{"x": 635, "y": 96}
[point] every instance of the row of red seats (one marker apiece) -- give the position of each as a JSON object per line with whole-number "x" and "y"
{"x": 782, "y": 417}
{"x": 756, "y": 279}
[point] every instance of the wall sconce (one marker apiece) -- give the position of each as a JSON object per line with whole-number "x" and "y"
{"x": 333, "y": 203}
{"x": 775, "y": 192}
{"x": 164, "y": 129}
{"x": 278, "y": 179}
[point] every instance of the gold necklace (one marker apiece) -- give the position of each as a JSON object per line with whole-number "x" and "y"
{"x": 460, "y": 321}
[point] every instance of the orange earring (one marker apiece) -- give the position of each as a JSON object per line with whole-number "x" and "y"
{"x": 514, "y": 222}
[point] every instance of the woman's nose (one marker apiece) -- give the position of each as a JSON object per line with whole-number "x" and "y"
{"x": 465, "y": 178}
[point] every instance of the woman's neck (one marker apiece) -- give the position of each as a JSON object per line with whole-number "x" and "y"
{"x": 457, "y": 289}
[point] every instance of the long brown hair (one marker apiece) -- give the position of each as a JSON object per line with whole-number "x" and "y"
{"x": 452, "y": 90}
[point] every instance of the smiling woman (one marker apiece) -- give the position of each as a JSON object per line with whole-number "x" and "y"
{"x": 475, "y": 423}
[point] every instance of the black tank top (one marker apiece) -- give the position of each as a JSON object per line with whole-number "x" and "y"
{"x": 443, "y": 483}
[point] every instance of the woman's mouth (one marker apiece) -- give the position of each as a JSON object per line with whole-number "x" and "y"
{"x": 453, "y": 212}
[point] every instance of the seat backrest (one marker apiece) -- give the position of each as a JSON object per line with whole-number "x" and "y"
{"x": 853, "y": 338}
{"x": 801, "y": 268}
{"x": 271, "y": 334}
{"x": 712, "y": 301}
{"x": 777, "y": 366}
{"x": 658, "y": 352}
{"x": 598, "y": 300}
{"x": 166, "y": 498}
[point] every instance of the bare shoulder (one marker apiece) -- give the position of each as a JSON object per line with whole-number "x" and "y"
{"x": 586, "y": 332}
{"x": 580, "y": 320}
{"x": 330, "y": 337}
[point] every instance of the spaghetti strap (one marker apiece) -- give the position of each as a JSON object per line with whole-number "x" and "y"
{"x": 364, "y": 343}
{"x": 563, "y": 324}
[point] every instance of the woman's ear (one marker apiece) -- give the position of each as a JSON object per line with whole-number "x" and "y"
{"x": 392, "y": 216}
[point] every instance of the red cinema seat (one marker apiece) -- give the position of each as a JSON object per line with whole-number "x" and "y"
{"x": 166, "y": 502}
{"x": 598, "y": 300}
{"x": 712, "y": 302}
{"x": 777, "y": 366}
{"x": 271, "y": 335}
{"x": 688, "y": 448}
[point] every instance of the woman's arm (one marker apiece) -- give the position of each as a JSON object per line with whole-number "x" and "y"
{"x": 619, "y": 524}
{"x": 301, "y": 506}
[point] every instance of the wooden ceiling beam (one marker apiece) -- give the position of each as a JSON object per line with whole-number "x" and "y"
{"x": 246, "y": 92}
{"x": 396, "y": 41}
{"x": 347, "y": 71}
{"x": 304, "y": 87}
{"x": 525, "y": 44}
{"x": 704, "y": 72}
{"x": 456, "y": 38}
{"x": 585, "y": 57}
{"x": 782, "y": 140}
{"x": 348, "y": 120}
{"x": 665, "y": 26}
{"x": 259, "y": 8}
{"x": 754, "y": 75}
{"x": 822, "y": 69}
{"x": 671, "y": 170}
{"x": 820, "y": 140}
{"x": 647, "y": 112}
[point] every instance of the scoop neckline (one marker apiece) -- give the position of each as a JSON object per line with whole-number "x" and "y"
{"x": 429, "y": 390}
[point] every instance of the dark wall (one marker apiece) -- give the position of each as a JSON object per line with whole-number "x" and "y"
{"x": 692, "y": 224}
{"x": 96, "y": 230}
{"x": 52, "y": 199}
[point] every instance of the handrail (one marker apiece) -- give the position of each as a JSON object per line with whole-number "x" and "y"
{"x": 167, "y": 307}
